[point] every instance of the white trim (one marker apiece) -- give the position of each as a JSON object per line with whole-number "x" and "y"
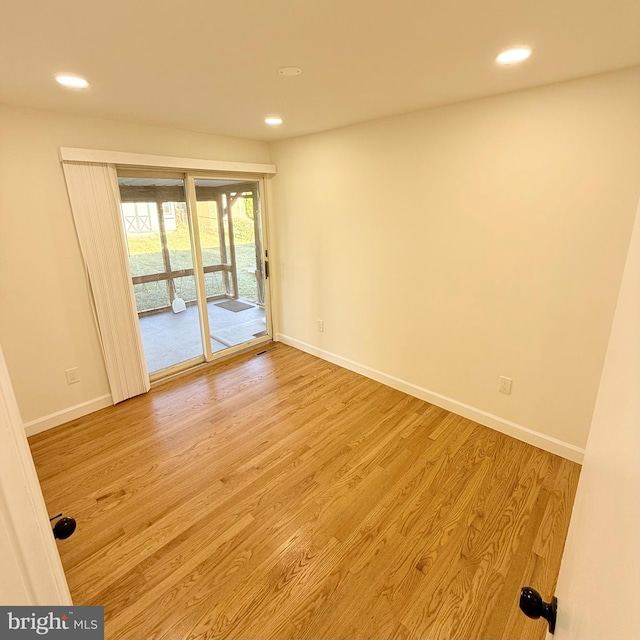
{"x": 270, "y": 293}
{"x": 60, "y": 417}
{"x": 32, "y": 572}
{"x": 123, "y": 158}
{"x": 535, "y": 438}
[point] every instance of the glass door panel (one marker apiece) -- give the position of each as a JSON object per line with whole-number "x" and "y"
{"x": 231, "y": 245}
{"x": 156, "y": 224}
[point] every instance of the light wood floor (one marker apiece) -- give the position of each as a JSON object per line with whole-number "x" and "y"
{"x": 279, "y": 496}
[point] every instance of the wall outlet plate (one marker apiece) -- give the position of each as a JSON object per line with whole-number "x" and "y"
{"x": 504, "y": 385}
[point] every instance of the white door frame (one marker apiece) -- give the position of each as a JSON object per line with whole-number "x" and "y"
{"x": 30, "y": 565}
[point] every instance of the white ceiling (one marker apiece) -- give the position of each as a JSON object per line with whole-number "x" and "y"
{"x": 211, "y": 65}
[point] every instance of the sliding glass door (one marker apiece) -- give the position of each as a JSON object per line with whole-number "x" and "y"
{"x": 196, "y": 258}
{"x": 231, "y": 250}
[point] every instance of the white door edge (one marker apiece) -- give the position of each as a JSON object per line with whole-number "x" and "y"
{"x": 32, "y": 573}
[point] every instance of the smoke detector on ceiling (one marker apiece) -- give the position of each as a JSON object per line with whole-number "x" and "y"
{"x": 289, "y": 71}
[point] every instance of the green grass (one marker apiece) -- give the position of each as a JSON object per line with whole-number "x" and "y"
{"x": 145, "y": 258}
{"x": 153, "y": 295}
{"x": 179, "y": 240}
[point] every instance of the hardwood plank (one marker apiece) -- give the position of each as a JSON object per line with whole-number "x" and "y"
{"x": 280, "y": 496}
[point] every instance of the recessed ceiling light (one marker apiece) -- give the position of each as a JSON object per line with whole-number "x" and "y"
{"x": 273, "y": 121}
{"x": 71, "y": 81}
{"x": 289, "y": 71}
{"x": 513, "y": 56}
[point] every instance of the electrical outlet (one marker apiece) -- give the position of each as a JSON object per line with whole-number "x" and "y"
{"x": 72, "y": 375}
{"x": 504, "y": 386}
{"x": 321, "y": 325}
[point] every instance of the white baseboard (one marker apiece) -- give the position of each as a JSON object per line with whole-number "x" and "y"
{"x": 60, "y": 417}
{"x": 535, "y": 438}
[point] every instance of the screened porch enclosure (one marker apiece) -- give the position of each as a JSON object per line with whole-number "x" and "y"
{"x": 161, "y": 258}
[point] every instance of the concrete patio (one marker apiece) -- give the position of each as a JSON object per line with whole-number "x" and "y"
{"x": 170, "y": 338}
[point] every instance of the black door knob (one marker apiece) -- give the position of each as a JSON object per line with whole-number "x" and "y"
{"x": 64, "y": 528}
{"x": 532, "y": 605}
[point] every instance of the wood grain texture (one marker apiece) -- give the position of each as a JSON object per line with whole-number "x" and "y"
{"x": 280, "y": 496}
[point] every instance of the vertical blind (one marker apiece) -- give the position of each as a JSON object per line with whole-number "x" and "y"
{"x": 95, "y": 202}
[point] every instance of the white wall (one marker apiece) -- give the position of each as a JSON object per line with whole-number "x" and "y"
{"x": 447, "y": 247}
{"x": 46, "y": 325}
{"x": 599, "y": 583}
{"x": 443, "y": 248}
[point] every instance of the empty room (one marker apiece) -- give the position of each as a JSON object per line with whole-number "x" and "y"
{"x": 320, "y": 320}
